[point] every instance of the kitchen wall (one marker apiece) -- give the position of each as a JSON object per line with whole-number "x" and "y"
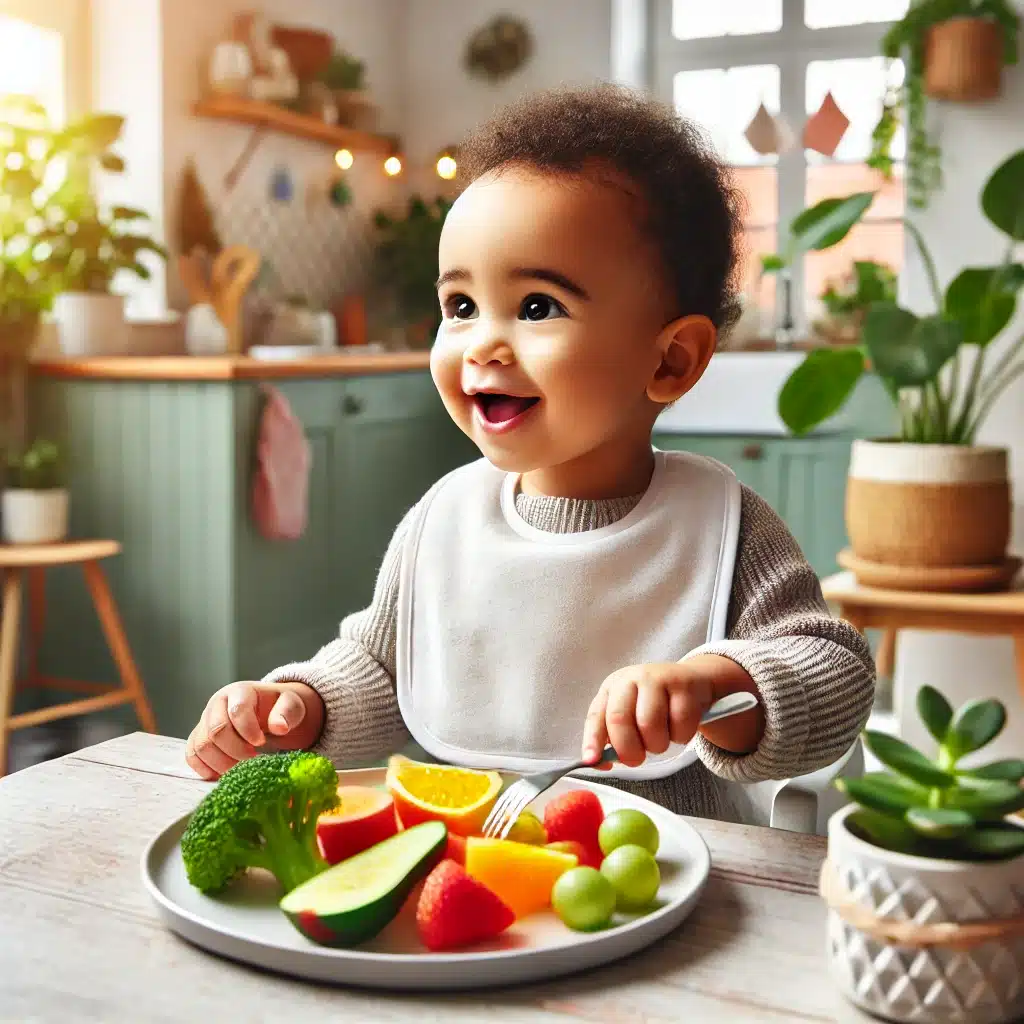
{"x": 975, "y": 141}
{"x": 156, "y": 80}
{"x": 572, "y": 44}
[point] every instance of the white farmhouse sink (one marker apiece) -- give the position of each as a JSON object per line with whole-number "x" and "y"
{"x": 738, "y": 394}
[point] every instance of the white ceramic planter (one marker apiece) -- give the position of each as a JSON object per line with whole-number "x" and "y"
{"x": 90, "y": 323}
{"x": 34, "y": 517}
{"x": 983, "y": 984}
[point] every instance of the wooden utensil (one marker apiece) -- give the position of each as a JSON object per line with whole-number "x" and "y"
{"x": 192, "y": 270}
{"x": 234, "y": 269}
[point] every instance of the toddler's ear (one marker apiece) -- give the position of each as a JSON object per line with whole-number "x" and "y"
{"x": 686, "y": 346}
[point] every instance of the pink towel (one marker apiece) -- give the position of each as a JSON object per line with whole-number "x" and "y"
{"x": 280, "y": 486}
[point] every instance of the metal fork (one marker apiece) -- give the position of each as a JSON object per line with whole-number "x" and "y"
{"x": 524, "y": 791}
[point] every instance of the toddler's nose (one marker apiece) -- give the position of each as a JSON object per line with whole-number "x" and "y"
{"x": 489, "y": 349}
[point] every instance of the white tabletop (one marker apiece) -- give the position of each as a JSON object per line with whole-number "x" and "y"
{"x": 80, "y": 941}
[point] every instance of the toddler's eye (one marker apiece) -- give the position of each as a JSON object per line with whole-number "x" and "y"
{"x": 540, "y": 307}
{"x": 460, "y": 307}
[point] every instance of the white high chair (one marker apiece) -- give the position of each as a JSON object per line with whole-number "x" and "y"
{"x": 803, "y": 804}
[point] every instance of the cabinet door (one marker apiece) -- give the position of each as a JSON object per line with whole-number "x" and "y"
{"x": 397, "y": 441}
{"x": 289, "y": 596}
{"x": 812, "y": 488}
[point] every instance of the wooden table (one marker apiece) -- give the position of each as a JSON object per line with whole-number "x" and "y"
{"x": 997, "y": 614}
{"x": 80, "y": 941}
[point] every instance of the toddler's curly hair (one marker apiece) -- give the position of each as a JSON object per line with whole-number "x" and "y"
{"x": 692, "y": 209}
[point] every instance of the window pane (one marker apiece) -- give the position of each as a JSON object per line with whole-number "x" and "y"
{"x": 760, "y": 187}
{"x": 32, "y": 64}
{"x": 724, "y": 101}
{"x": 829, "y": 13}
{"x": 858, "y": 86}
{"x": 699, "y": 19}
{"x": 879, "y": 237}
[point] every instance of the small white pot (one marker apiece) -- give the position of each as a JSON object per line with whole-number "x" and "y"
{"x": 34, "y": 517}
{"x": 983, "y": 984}
{"x": 90, "y": 323}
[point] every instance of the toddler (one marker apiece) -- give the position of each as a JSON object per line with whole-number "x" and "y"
{"x": 576, "y": 587}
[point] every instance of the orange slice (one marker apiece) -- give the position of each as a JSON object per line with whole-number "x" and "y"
{"x": 460, "y": 797}
{"x": 521, "y": 875}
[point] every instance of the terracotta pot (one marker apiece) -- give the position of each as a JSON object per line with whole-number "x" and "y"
{"x": 978, "y": 984}
{"x": 964, "y": 60}
{"x": 927, "y": 505}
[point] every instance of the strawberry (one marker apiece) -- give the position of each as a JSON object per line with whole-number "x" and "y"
{"x": 456, "y": 910}
{"x": 575, "y": 817}
{"x": 456, "y": 849}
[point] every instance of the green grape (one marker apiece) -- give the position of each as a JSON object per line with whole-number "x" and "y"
{"x": 584, "y": 899}
{"x": 625, "y": 827}
{"x": 634, "y": 875}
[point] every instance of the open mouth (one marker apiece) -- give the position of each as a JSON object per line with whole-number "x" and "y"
{"x": 499, "y": 410}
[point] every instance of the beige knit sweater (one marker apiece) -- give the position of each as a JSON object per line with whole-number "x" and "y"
{"x": 814, "y": 672}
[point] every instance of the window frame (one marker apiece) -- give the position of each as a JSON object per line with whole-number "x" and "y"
{"x": 792, "y": 48}
{"x": 70, "y": 20}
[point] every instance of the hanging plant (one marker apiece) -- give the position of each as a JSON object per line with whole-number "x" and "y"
{"x": 953, "y": 50}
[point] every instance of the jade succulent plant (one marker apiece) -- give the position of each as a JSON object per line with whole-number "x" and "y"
{"x": 937, "y": 808}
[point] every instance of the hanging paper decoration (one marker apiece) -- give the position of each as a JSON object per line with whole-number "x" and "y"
{"x": 825, "y": 129}
{"x": 768, "y": 133}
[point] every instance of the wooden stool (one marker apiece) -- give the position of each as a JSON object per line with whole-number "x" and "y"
{"x": 34, "y": 560}
{"x": 996, "y": 614}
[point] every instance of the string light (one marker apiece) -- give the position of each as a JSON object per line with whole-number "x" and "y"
{"x": 446, "y": 166}
{"x": 392, "y": 166}
{"x": 344, "y": 159}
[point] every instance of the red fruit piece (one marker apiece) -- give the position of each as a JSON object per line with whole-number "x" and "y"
{"x": 575, "y": 817}
{"x": 455, "y": 910}
{"x": 588, "y": 857}
{"x": 456, "y": 849}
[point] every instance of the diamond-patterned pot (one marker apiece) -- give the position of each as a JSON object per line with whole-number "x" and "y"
{"x": 980, "y": 985}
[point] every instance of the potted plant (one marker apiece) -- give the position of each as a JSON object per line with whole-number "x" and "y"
{"x": 35, "y": 501}
{"x": 952, "y": 50}
{"x": 924, "y": 878}
{"x": 406, "y": 264}
{"x": 89, "y": 244}
{"x": 930, "y": 498}
{"x": 345, "y": 78}
{"x": 847, "y": 299}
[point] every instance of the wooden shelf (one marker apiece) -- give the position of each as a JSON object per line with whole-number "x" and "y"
{"x": 274, "y": 118}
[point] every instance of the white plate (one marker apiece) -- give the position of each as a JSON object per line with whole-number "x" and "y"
{"x": 245, "y": 924}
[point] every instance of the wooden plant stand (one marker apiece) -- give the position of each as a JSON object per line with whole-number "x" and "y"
{"x": 31, "y": 561}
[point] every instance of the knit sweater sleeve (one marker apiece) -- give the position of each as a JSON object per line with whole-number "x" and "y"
{"x": 814, "y": 672}
{"x": 355, "y": 673}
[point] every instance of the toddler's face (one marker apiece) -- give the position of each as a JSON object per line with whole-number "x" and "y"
{"x": 553, "y": 302}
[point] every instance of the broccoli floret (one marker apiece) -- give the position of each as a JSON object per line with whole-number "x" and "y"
{"x": 262, "y": 814}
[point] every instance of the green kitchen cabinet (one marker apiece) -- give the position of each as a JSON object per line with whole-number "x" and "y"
{"x": 804, "y": 480}
{"x": 166, "y": 468}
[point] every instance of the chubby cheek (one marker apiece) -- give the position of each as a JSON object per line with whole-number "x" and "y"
{"x": 446, "y": 369}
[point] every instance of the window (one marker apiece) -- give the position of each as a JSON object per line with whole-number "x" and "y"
{"x": 719, "y": 62}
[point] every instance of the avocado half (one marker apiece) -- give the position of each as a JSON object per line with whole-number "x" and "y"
{"x": 354, "y": 900}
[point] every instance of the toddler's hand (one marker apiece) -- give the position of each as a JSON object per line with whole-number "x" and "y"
{"x": 240, "y": 717}
{"x": 641, "y": 709}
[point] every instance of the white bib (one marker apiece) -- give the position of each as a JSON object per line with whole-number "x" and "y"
{"x": 506, "y": 632}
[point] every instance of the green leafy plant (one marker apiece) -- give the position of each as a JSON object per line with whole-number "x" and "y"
{"x": 54, "y": 235}
{"x": 937, "y": 808}
{"x": 343, "y": 72}
{"x": 935, "y": 368}
{"x": 867, "y": 283}
{"x": 406, "y": 258}
{"x": 38, "y": 468}
{"x": 907, "y": 39}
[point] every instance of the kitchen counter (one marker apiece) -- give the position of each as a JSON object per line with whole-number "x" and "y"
{"x": 200, "y": 368}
